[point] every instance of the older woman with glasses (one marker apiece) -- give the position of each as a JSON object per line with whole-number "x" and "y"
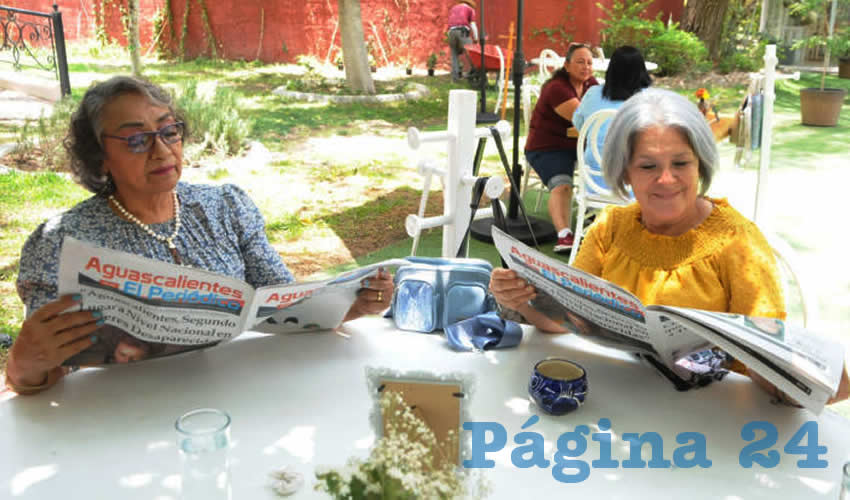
{"x": 126, "y": 146}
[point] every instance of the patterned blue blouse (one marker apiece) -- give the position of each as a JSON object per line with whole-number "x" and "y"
{"x": 221, "y": 231}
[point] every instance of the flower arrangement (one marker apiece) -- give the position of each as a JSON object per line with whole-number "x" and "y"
{"x": 704, "y": 104}
{"x": 407, "y": 462}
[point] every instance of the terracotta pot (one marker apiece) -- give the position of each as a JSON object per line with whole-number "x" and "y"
{"x": 844, "y": 67}
{"x": 821, "y": 107}
{"x": 374, "y": 69}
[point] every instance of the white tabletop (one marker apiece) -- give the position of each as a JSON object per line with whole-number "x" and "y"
{"x": 302, "y": 400}
{"x": 599, "y": 64}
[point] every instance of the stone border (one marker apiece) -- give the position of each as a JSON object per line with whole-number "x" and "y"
{"x": 419, "y": 90}
{"x": 40, "y": 88}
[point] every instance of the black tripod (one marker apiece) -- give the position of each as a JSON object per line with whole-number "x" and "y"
{"x": 540, "y": 230}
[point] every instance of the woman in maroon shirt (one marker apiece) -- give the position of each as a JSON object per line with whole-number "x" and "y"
{"x": 548, "y": 149}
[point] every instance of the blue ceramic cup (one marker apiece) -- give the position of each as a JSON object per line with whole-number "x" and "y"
{"x": 558, "y": 386}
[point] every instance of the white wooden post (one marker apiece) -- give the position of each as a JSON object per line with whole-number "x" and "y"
{"x": 766, "y": 131}
{"x": 456, "y": 199}
{"x": 461, "y": 138}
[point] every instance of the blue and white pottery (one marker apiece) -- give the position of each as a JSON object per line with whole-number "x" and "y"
{"x": 558, "y": 386}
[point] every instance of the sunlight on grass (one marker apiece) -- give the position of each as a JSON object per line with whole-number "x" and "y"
{"x": 25, "y": 201}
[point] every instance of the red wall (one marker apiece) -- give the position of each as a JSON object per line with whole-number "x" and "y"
{"x": 78, "y": 16}
{"x": 291, "y": 28}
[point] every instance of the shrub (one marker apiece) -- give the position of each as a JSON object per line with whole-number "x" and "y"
{"x": 674, "y": 50}
{"x": 624, "y": 26}
{"x": 213, "y": 120}
{"x": 40, "y": 142}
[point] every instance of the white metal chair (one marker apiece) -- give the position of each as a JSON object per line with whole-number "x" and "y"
{"x": 590, "y": 190}
{"x": 527, "y": 92}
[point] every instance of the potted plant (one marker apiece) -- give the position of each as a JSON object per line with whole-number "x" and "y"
{"x": 370, "y": 54}
{"x": 818, "y": 106}
{"x": 408, "y": 69}
{"x": 839, "y": 47}
{"x": 339, "y": 64}
{"x": 431, "y": 63}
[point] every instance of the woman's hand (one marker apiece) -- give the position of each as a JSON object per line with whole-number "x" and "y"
{"x": 780, "y": 396}
{"x": 514, "y": 293}
{"x": 510, "y": 290}
{"x": 48, "y": 338}
{"x": 374, "y": 297}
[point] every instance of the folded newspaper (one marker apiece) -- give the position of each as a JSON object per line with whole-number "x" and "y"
{"x": 153, "y": 308}
{"x": 806, "y": 367}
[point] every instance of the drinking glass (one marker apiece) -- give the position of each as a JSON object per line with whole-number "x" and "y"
{"x": 203, "y": 440}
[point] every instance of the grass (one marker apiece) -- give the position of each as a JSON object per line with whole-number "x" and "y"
{"x": 25, "y": 201}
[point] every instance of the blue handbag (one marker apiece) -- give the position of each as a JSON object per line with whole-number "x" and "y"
{"x": 432, "y": 293}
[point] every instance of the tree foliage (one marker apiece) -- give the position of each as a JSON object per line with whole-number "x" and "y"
{"x": 673, "y": 49}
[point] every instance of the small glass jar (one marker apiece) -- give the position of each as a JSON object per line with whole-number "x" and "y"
{"x": 845, "y": 482}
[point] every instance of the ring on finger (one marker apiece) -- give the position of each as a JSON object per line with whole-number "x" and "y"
{"x": 380, "y": 296}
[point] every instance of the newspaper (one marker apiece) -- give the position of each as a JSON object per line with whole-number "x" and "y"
{"x": 601, "y": 311}
{"x": 804, "y": 366}
{"x": 152, "y": 308}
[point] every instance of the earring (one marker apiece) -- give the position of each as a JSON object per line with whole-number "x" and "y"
{"x": 108, "y": 185}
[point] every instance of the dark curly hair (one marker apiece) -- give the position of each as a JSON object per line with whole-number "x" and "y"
{"x": 83, "y": 141}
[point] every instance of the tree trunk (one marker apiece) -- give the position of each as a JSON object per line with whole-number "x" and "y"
{"x": 133, "y": 36}
{"x": 704, "y": 18}
{"x": 357, "y": 73}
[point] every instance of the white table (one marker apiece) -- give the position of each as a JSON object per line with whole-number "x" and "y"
{"x": 302, "y": 400}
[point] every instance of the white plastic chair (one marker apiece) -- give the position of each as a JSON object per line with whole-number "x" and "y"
{"x": 548, "y": 62}
{"x": 589, "y": 193}
{"x": 527, "y": 92}
{"x": 501, "y": 80}
{"x": 787, "y": 261}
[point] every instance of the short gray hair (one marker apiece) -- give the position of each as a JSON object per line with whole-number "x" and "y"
{"x": 83, "y": 141}
{"x": 647, "y": 109}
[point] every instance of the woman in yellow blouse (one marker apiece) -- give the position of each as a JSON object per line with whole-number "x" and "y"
{"x": 675, "y": 246}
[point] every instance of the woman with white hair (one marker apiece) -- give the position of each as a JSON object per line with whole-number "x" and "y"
{"x": 674, "y": 246}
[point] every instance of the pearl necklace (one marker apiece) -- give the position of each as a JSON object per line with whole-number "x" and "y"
{"x": 168, "y": 240}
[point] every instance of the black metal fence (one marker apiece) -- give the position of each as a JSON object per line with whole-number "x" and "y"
{"x": 35, "y": 40}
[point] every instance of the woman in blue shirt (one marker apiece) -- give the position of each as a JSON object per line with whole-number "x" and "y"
{"x": 626, "y": 75}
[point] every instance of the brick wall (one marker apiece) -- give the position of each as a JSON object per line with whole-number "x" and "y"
{"x": 290, "y": 28}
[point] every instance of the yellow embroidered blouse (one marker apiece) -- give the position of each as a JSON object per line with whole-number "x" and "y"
{"x": 725, "y": 264}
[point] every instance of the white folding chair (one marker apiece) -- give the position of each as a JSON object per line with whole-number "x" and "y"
{"x": 527, "y": 92}
{"x": 591, "y": 191}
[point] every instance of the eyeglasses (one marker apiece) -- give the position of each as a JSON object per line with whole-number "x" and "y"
{"x": 143, "y": 141}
